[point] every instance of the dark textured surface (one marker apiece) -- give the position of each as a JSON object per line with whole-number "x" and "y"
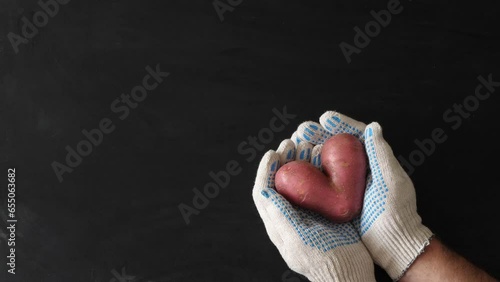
{"x": 119, "y": 207}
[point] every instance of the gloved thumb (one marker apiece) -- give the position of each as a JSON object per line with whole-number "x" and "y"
{"x": 380, "y": 154}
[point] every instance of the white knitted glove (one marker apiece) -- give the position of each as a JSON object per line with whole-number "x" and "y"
{"x": 390, "y": 226}
{"x": 310, "y": 244}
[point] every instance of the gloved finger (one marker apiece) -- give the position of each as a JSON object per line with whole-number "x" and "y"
{"x": 378, "y": 150}
{"x": 304, "y": 151}
{"x": 295, "y": 139}
{"x": 265, "y": 197}
{"x": 266, "y": 172}
{"x": 286, "y": 151}
{"x": 380, "y": 158}
{"x": 337, "y": 123}
{"x": 313, "y": 132}
{"x": 316, "y": 156}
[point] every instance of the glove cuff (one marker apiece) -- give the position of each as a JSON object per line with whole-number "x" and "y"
{"x": 350, "y": 264}
{"x": 397, "y": 240}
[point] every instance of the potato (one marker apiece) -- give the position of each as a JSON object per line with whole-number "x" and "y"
{"x": 338, "y": 193}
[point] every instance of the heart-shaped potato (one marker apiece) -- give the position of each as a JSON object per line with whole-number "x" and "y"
{"x": 337, "y": 192}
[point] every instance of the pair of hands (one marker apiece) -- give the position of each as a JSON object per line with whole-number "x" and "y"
{"x": 389, "y": 231}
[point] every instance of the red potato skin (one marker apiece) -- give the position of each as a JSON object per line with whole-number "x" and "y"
{"x": 337, "y": 192}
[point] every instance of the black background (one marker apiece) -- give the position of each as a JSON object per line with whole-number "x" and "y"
{"x": 119, "y": 208}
